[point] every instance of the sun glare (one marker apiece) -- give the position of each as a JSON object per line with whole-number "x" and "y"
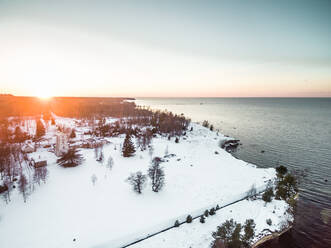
{"x": 43, "y": 95}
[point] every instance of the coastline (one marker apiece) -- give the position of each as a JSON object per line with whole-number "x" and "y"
{"x": 224, "y": 179}
{"x": 271, "y": 240}
{"x": 234, "y": 143}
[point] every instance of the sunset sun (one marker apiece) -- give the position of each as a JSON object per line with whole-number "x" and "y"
{"x": 43, "y": 94}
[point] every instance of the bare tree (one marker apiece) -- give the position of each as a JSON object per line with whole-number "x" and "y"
{"x": 7, "y": 190}
{"x": 151, "y": 151}
{"x": 137, "y": 180}
{"x": 23, "y": 186}
{"x": 94, "y": 179}
{"x": 251, "y": 193}
{"x": 40, "y": 175}
{"x": 156, "y": 173}
{"x": 110, "y": 162}
{"x": 100, "y": 156}
{"x": 166, "y": 152}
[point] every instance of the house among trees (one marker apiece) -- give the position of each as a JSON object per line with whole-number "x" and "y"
{"x": 28, "y": 147}
{"x": 62, "y": 144}
{"x": 93, "y": 143}
{"x": 41, "y": 163}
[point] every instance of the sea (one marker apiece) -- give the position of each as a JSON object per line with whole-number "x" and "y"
{"x": 294, "y": 132}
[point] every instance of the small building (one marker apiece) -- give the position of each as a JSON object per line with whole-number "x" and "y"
{"x": 41, "y": 163}
{"x": 28, "y": 147}
{"x": 62, "y": 144}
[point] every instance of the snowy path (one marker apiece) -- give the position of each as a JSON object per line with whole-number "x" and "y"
{"x": 183, "y": 222}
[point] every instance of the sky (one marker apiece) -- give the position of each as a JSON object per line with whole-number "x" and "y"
{"x": 251, "y": 48}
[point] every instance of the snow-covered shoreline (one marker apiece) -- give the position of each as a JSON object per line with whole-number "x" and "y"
{"x": 69, "y": 211}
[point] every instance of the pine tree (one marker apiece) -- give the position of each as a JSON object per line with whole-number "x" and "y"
{"x": 212, "y": 211}
{"x": 19, "y": 135}
{"x": 70, "y": 159}
{"x": 128, "y": 147}
{"x": 73, "y": 134}
{"x": 189, "y": 219}
{"x": 40, "y": 130}
{"x": 202, "y": 219}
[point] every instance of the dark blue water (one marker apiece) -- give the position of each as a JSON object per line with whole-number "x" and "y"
{"x": 295, "y": 132}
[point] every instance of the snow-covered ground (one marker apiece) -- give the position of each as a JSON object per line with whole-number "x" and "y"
{"x": 70, "y": 211}
{"x": 198, "y": 235}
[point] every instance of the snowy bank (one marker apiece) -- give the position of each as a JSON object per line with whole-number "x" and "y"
{"x": 71, "y": 211}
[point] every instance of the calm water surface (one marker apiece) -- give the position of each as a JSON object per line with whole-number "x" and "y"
{"x": 295, "y": 132}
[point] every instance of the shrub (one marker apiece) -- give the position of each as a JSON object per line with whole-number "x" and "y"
{"x": 205, "y": 123}
{"x": 286, "y": 187}
{"x": 281, "y": 171}
{"x": 269, "y": 222}
{"x": 189, "y": 219}
{"x": 176, "y": 223}
{"x": 177, "y": 140}
{"x": 212, "y": 211}
{"x": 267, "y": 195}
{"x": 202, "y": 219}
{"x": 206, "y": 213}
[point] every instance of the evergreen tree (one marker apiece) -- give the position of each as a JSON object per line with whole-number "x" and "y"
{"x": 267, "y": 195}
{"x": 202, "y": 219}
{"x": 176, "y": 223}
{"x": 189, "y": 219}
{"x": 73, "y": 134}
{"x": 19, "y": 135}
{"x": 70, "y": 159}
{"x": 212, "y": 211}
{"x": 281, "y": 171}
{"x": 128, "y": 147}
{"x": 249, "y": 232}
{"x": 40, "y": 130}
